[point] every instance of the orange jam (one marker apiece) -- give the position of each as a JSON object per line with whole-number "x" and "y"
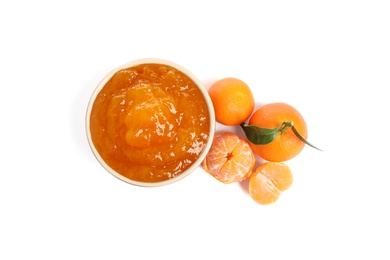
{"x": 149, "y": 122}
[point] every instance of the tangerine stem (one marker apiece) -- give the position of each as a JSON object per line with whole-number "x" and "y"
{"x": 286, "y": 125}
{"x": 259, "y": 136}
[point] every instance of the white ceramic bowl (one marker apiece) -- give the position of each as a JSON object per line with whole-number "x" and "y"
{"x": 211, "y": 116}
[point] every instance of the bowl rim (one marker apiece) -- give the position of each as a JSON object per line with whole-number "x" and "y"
{"x": 197, "y": 82}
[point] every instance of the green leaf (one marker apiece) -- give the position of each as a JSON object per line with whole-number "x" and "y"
{"x": 258, "y": 135}
{"x": 302, "y": 138}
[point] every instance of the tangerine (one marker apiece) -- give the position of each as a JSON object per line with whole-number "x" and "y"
{"x": 233, "y": 101}
{"x": 286, "y": 144}
{"x": 230, "y": 158}
{"x": 269, "y": 181}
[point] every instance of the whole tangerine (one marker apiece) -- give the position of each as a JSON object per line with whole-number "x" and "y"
{"x": 233, "y": 101}
{"x": 286, "y": 144}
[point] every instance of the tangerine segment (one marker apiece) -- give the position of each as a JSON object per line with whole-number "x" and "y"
{"x": 230, "y": 158}
{"x": 269, "y": 181}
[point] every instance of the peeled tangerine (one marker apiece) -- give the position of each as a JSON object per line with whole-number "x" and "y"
{"x": 230, "y": 158}
{"x": 269, "y": 181}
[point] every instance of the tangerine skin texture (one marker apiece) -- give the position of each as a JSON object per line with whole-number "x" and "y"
{"x": 150, "y": 122}
{"x": 287, "y": 145}
{"x": 233, "y": 101}
{"x": 230, "y": 158}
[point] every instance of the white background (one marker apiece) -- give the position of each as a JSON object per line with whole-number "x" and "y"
{"x": 328, "y": 59}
